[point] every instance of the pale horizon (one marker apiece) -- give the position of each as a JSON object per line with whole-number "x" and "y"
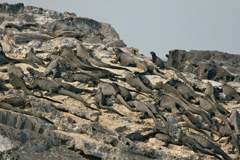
{"x": 161, "y": 25}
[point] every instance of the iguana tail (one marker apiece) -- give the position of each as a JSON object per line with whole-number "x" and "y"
{"x": 120, "y": 98}
{"x": 25, "y": 61}
{"x": 99, "y": 63}
{"x": 114, "y": 67}
{"x": 75, "y": 96}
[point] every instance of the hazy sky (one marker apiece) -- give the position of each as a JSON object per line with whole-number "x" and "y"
{"x": 161, "y": 25}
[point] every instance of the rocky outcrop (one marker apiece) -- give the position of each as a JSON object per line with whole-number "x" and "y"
{"x": 11, "y": 9}
{"x": 71, "y": 89}
{"x": 39, "y": 21}
{"x": 212, "y": 65}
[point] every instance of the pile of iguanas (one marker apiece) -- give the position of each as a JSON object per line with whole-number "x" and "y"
{"x": 181, "y": 115}
{"x": 182, "y": 112}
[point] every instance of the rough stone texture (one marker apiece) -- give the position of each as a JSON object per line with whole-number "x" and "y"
{"x": 44, "y": 125}
{"x": 191, "y": 61}
{"x": 6, "y": 144}
{"x": 57, "y": 25}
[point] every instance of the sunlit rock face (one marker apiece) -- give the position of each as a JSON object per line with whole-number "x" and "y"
{"x": 6, "y": 144}
{"x": 71, "y": 89}
{"x": 212, "y": 65}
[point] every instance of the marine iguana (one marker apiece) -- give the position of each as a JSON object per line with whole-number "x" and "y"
{"x": 186, "y": 91}
{"x": 231, "y": 129}
{"x": 212, "y": 108}
{"x": 209, "y": 92}
{"x": 55, "y": 67}
{"x": 89, "y": 58}
{"x": 82, "y": 77}
{"x": 106, "y": 91}
{"x": 25, "y": 37}
{"x": 69, "y": 61}
{"x": 213, "y": 71}
{"x": 54, "y": 87}
{"x": 178, "y": 99}
{"x": 153, "y": 70}
{"x": 144, "y": 79}
{"x": 103, "y": 101}
{"x": 32, "y": 58}
{"x": 124, "y": 59}
{"x": 204, "y": 145}
{"x": 230, "y": 92}
{"x": 74, "y": 89}
{"x": 158, "y": 61}
{"x": 192, "y": 120}
{"x": 21, "y": 27}
{"x": 136, "y": 82}
{"x": 174, "y": 132}
{"x": 234, "y": 130}
{"x": 70, "y": 57}
{"x": 34, "y": 73}
{"x": 6, "y": 60}
{"x": 98, "y": 74}
{"x": 2, "y": 86}
{"x": 16, "y": 76}
{"x": 138, "y": 106}
{"x": 16, "y": 101}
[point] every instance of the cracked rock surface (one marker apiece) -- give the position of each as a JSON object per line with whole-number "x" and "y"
{"x": 70, "y": 88}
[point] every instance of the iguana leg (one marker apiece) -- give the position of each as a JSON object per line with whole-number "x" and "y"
{"x": 164, "y": 137}
{"x": 54, "y": 71}
{"x": 204, "y": 145}
{"x": 122, "y": 101}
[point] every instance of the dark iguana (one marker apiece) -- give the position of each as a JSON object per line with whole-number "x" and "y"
{"x": 16, "y": 76}
{"x": 204, "y": 145}
{"x": 2, "y": 86}
{"x": 68, "y": 61}
{"x": 106, "y": 91}
{"x": 176, "y": 133}
{"x": 54, "y": 87}
{"x": 87, "y": 57}
{"x": 32, "y": 58}
{"x": 104, "y": 102}
{"x": 158, "y": 61}
{"x": 82, "y": 77}
{"x": 230, "y": 92}
{"x": 136, "y": 82}
{"x": 178, "y": 99}
{"x": 125, "y": 59}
